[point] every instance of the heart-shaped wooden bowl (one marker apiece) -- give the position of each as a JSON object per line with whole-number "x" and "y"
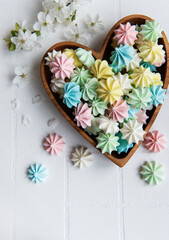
{"x": 105, "y": 52}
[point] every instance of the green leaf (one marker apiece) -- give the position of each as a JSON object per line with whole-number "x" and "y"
{"x": 14, "y": 33}
{"x": 73, "y": 17}
{"x": 8, "y": 40}
{"x": 17, "y": 26}
{"x": 12, "y": 46}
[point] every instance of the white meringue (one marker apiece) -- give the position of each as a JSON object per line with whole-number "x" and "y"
{"x": 124, "y": 81}
{"x": 108, "y": 125}
{"x": 51, "y": 56}
{"x": 132, "y": 131}
{"x": 135, "y": 62}
{"x": 81, "y": 157}
{"x": 57, "y": 85}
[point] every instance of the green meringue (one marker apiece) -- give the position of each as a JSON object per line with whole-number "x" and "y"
{"x": 107, "y": 142}
{"x": 94, "y": 128}
{"x": 85, "y": 57}
{"x": 79, "y": 75}
{"x": 88, "y": 88}
{"x": 151, "y": 31}
{"x": 139, "y": 97}
{"x": 152, "y": 173}
{"x": 98, "y": 106}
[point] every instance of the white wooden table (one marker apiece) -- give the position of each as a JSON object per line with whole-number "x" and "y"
{"x": 101, "y": 202}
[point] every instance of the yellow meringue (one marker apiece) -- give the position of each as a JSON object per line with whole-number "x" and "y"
{"x": 109, "y": 90}
{"x": 101, "y": 69}
{"x": 142, "y": 77}
{"x": 157, "y": 79}
{"x": 70, "y": 53}
{"x": 151, "y": 52}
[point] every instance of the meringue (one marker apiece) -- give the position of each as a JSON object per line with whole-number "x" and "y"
{"x": 37, "y": 173}
{"x": 57, "y": 85}
{"x": 107, "y": 142}
{"x": 107, "y": 125}
{"x": 141, "y": 77}
{"x": 85, "y": 57}
{"x": 121, "y": 57}
{"x": 94, "y": 128}
{"x": 54, "y": 144}
{"x": 101, "y": 69}
{"x": 152, "y": 173}
{"x": 151, "y": 31}
{"x": 83, "y": 115}
{"x": 159, "y": 64}
{"x": 154, "y": 141}
{"x": 132, "y": 113}
{"x": 70, "y": 53}
{"x": 81, "y": 157}
{"x": 157, "y": 79}
{"x": 124, "y": 81}
{"x": 151, "y": 52}
{"x": 79, "y": 75}
{"x": 132, "y": 131}
{"x": 148, "y": 65}
{"x": 139, "y": 40}
{"x": 88, "y": 88}
{"x": 157, "y": 95}
{"x": 124, "y": 146}
{"x": 98, "y": 106}
{"x": 109, "y": 90}
{"x": 141, "y": 116}
{"x": 135, "y": 62}
{"x": 119, "y": 110}
{"x": 62, "y": 67}
{"x": 51, "y": 56}
{"x": 140, "y": 98}
{"x": 71, "y": 94}
{"x": 125, "y": 34}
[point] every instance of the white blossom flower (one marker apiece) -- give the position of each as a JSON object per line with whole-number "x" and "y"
{"x": 68, "y": 13}
{"x": 73, "y": 33}
{"x": 25, "y": 40}
{"x": 49, "y": 5}
{"x": 93, "y": 25}
{"x": 79, "y": 2}
{"x": 22, "y": 77}
{"x": 44, "y": 24}
{"x": 58, "y": 12}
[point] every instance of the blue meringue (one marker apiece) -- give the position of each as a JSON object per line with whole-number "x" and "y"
{"x": 121, "y": 57}
{"x": 132, "y": 113}
{"x": 71, "y": 94}
{"x": 158, "y": 95}
{"x": 124, "y": 146}
{"x": 37, "y": 173}
{"x": 148, "y": 65}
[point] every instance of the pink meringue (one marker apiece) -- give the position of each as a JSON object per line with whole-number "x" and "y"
{"x": 62, "y": 67}
{"x": 83, "y": 115}
{"x": 126, "y": 33}
{"x": 53, "y": 144}
{"x": 141, "y": 116}
{"x": 119, "y": 110}
{"x": 159, "y": 64}
{"x": 154, "y": 141}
